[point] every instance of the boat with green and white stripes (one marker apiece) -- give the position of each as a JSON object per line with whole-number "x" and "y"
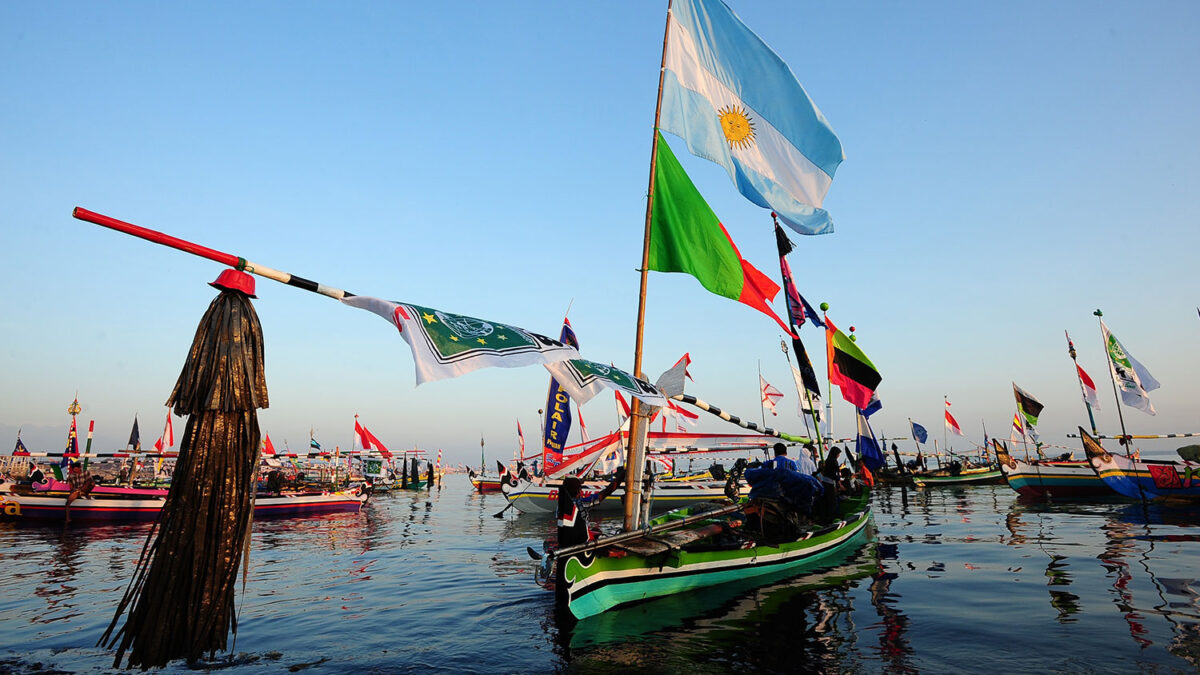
{"x": 698, "y": 547}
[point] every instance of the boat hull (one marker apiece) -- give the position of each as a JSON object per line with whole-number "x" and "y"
{"x": 1041, "y": 480}
{"x": 110, "y": 508}
{"x": 595, "y": 583}
{"x": 1148, "y": 479}
{"x": 486, "y": 485}
{"x": 966, "y": 477}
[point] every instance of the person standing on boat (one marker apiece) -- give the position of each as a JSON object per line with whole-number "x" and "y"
{"x": 572, "y": 509}
{"x": 781, "y": 460}
{"x": 830, "y": 477}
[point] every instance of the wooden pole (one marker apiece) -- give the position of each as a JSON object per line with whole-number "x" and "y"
{"x": 637, "y": 430}
{"x": 1120, "y": 416}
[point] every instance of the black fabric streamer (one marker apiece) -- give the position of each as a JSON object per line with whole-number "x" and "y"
{"x": 181, "y": 601}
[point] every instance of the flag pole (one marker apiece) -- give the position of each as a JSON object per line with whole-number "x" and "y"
{"x": 799, "y": 387}
{"x": 637, "y": 430}
{"x": 828, "y": 380}
{"x": 1120, "y": 416}
{"x": 945, "y": 425}
{"x": 1071, "y": 351}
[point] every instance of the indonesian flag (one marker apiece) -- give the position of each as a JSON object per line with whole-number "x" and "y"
{"x": 951, "y": 423}
{"x": 1088, "y": 387}
{"x": 268, "y": 447}
{"x": 374, "y": 443}
{"x": 361, "y": 439}
{"x": 769, "y": 395}
{"x": 167, "y": 440}
{"x": 681, "y": 416}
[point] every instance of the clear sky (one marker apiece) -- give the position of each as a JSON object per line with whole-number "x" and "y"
{"x": 1010, "y": 168}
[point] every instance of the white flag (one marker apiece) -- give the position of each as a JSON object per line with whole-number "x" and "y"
{"x": 769, "y": 395}
{"x": 805, "y": 400}
{"x": 448, "y": 345}
{"x": 1131, "y": 377}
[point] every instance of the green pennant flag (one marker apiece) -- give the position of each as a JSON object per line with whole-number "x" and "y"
{"x": 686, "y": 236}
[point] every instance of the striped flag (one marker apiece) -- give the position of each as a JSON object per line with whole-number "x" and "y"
{"x": 849, "y": 367}
{"x": 1029, "y": 406}
{"x": 738, "y": 104}
{"x": 167, "y": 440}
{"x": 1088, "y": 388}
{"x": 951, "y": 423}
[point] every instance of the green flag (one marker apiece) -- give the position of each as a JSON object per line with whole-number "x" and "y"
{"x": 686, "y": 236}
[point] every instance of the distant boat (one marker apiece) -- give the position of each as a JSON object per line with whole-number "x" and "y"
{"x": 980, "y": 475}
{"x": 22, "y": 504}
{"x": 1144, "y": 479}
{"x": 1042, "y": 478}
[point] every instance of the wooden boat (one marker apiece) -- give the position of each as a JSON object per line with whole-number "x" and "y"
{"x": 980, "y": 475}
{"x": 485, "y": 485}
{"x": 1143, "y": 479}
{"x": 694, "y": 548}
{"x": 1046, "y": 478}
{"x": 529, "y": 497}
{"x": 22, "y": 504}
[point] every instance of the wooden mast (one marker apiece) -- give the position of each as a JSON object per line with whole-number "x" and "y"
{"x": 637, "y": 428}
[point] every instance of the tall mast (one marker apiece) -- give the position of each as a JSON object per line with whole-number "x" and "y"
{"x": 1120, "y": 415}
{"x": 637, "y": 429}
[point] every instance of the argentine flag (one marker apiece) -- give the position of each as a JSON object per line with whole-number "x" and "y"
{"x": 736, "y": 103}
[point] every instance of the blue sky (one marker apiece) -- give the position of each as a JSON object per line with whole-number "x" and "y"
{"x": 1010, "y": 168}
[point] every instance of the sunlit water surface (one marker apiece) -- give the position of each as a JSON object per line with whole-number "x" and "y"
{"x": 956, "y": 580}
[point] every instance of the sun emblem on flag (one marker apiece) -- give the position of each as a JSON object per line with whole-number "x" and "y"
{"x": 738, "y": 128}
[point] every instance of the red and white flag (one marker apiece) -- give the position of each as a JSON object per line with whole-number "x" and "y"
{"x": 951, "y": 423}
{"x": 167, "y": 440}
{"x": 769, "y": 395}
{"x": 1088, "y": 387}
{"x": 622, "y": 408}
{"x": 361, "y": 439}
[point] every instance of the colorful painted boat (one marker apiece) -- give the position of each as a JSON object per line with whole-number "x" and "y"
{"x": 1143, "y": 478}
{"x": 485, "y": 485}
{"x": 640, "y": 565}
{"x": 529, "y": 497}
{"x": 982, "y": 475}
{"x": 25, "y": 505}
{"x": 1047, "y": 478}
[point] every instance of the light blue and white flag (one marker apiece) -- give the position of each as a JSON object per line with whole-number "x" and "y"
{"x": 738, "y": 104}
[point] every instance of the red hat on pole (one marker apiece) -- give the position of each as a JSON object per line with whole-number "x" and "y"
{"x": 234, "y": 280}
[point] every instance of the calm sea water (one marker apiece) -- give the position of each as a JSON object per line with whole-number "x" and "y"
{"x": 956, "y": 580}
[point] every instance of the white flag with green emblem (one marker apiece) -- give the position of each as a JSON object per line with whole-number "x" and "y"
{"x": 1131, "y": 377}
{"x": 448, "y": 345}
{"x": 584, "y": 379}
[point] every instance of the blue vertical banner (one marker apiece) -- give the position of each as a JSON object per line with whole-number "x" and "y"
{"x": 558, "y": 410}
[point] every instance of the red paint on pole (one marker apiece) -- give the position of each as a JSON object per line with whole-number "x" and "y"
{"x": 155, "y": 236}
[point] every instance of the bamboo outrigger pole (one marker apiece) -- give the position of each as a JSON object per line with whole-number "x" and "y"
{"x": 637, "y": 425}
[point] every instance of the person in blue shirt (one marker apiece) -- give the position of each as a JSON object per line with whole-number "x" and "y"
{"x": 782, "y": 461}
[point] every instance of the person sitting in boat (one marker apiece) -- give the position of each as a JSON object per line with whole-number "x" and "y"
{"x": 781, "y": 460}
{"x": 80, "y": 480}
{"x": 572, "y": 508}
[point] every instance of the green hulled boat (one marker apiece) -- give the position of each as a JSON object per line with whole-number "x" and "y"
{"x": 694, "y": 548}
